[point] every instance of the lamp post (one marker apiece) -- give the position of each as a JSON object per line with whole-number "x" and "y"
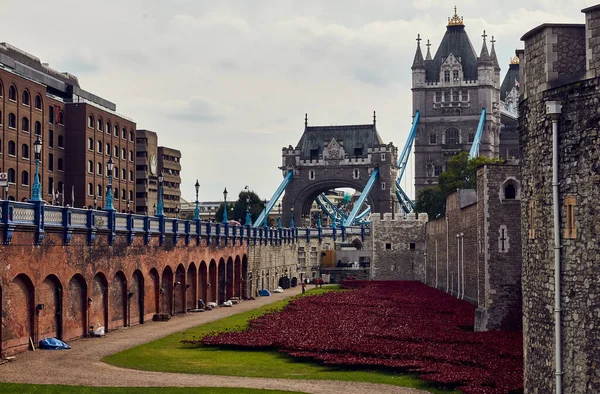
{"x": 292, "y": 218}
{"x": 248, "y": 214}
{"x": 177, "y": 212}
{"x": 279, "y": 215}
{"x": 266, "y": 214}
{"x": 109, "y": 196}
{"x": 37, "y": 147}
{"x": 224, "y": 206}
{"x": 154, "y": 209}
{"x": 95, "y": 201}
{"x": 159, "y": 208}
{"x": 319, "y": 220}
{"x": 197, "y": 209}
{"x": 128, "y": 205}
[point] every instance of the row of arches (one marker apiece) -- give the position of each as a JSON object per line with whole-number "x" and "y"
{"x": 68, "y": 308}
{"x": 13, "y": 95}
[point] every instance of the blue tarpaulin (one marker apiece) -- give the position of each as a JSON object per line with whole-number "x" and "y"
{"x": 53, "y": 344}
{"x": 264, "y": 293}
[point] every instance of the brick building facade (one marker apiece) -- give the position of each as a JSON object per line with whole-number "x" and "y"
{"x": 560, "y": 66}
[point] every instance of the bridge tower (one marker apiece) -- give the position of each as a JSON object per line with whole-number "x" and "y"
{"x": 329, "y": 157}
{"x": 450, "y": 91}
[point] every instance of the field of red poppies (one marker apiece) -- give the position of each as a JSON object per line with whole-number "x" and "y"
{"x": 406, "y": 326}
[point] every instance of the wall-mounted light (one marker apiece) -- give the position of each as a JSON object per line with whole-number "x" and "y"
{"x": 90, "y": 299}
{"x": 162, "y": 290}
{"x": 187, "y": 286}
{"x": 39, "y": 307}
{"x": 130, "y": 294}
{"x": 176, "y": 284}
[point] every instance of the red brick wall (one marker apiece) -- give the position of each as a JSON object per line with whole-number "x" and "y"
{"x": 63, "y": 277}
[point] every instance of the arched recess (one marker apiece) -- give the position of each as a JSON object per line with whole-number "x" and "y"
{"x": 191, "y": 287}
{"x": 18, "y": 314}
{"x": 229, "y": 279}
{"x": 303, "y": 200}
{"x": 75, "y": 319}
{"x": 135, "y": 297}
{"x": 212, "y": 281}
{"x": 237, "y": 277}
{"x": 179, "y": 290}
{"x": 245, "y": 279}
{"x": 118, "y": 301}
{"x": 50, "y": 295}
{"x": 98, "y": 307}
{"x": 153, "y": 291}
{"x": 203, "y": 279}
{"x": 166, "y": 291}
{"x": 221, "y": 281}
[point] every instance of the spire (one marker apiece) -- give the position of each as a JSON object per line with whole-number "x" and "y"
{"x": 374, "y": 117}
{"x": 428, "y": 56}
{"x": 485, "y": 55}
{"x": 305, "y": 120}
{"x": 455, "y": 20}
{"x": 418, "y": 61}
{"x": 493, "y": 55}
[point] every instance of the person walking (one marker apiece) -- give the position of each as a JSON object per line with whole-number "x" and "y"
{"x": 303, "y": 287}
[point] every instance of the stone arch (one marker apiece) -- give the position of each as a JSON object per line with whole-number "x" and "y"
{"x": 213, "y": 284}
{"x": 98, "y": 302}
{"x": 75, "y": 319}
{"x": 510, "y": 189}
{"x": 357, "y": 243}
{"x": 245, "y": 278}
{"x": 203, "y": 279}
{"x": 166, "y": 291}
{"x": 18, "y": 324}
{"x": 191, "y": 285}
{"x": 179, "y": 290}
{"x": 135, "y": 298}
{"x": 153, "y": 292}
{"x": 221, "y": 281}
{"x": 237, "y": 277}
{"x": 229, "y": 279}
{"x": 302, "y": 201}
{"x": 50, "y": 294}
{"x": 118, "y": 300}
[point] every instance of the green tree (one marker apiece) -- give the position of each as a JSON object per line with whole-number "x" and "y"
{"x": 461, "y": 173}
{"x": 239, "y": 207}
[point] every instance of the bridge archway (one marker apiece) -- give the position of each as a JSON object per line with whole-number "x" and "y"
{"x": 20, "y": 312}
{"x": 50, "y": 318}
{"x": 221, "y": 281}
{"x": 229, "y": 285}
{"x": 166, "y": 291}
{"x": 135, "y": 298}
{"x": 75, "y": 319}
{"x": 246, "y": 278}
{"x": 179, "y": 289}
{"x": 213, "y": 284}
{"x": 118, "y": 299}
{"x": 191, "y": 287}
{"x": 203, "y": 281}
{"x": 98, "y": 302}
{"x": 237, "y": 283}
{"x": 155, "y": 290}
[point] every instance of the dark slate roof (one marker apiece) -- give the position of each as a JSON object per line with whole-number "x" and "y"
{"x": 418, "y": 61}
{"x": 508, "y": 83}
{"x": 352, "y": 136}
{"x": 455, "y": 41}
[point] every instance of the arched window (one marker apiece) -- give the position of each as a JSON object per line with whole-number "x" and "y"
{"x": 99, "y": 191}
{"x": 1, "y": 89}
{"x": 123, "y": 174}
{"x": 61, "y": 141}
{"x": 131, "y": 176}
{"x": 100, "y": 128}
{"x": 25, "y": 124}
{"x": 38, "y": 128}
{"x": 61, "y": 118}
{"x": 130, "y": 155}
{"x": 25, "y": 178}
{"x": 131, "y": 136}
{"x": 91, "y": 122}
{"x": 90, "y": 144}
{"x": 116, "y": 151}
{"x": 12, "y": 93}
{"x": 25, "y": 98}
{"x": 123, "y": 154}
{"x": 90, "y": 189}
{"x": 131, "y": 195}
{"x": 452, "y": 136}
{"x": 99, "y": 146}
{"x": 90, "y": 166}
{"x": 455, "y": 75}
{"x": 61, "y": 188}
{"x": 124, "y": 133}
{"x": 108, "y": 127}
{"x": 116, "y": 130}
{"x": 510, "y": 193}
{"x": 25, "y": 151}
{"x": 116, "y": 194}
{"x": 38, "y": 102}
{"x": 60, "y": 165}
{"x": 446, "y": 76}
{"x": 116, "y": 171}
{"x": 11, "y": 175}
{"x": 99, "y": 168}
{"x": 123, "y": 194}
{"x": 12, "y": 148}
{"x": 107, "y": 150}
{"x": 12, "y": 121}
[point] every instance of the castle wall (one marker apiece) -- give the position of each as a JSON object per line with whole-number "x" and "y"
{"x": 579, "y": 193}
{"x": 398, "y": 246}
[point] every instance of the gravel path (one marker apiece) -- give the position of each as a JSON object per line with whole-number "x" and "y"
{"x": 82, "y": 366}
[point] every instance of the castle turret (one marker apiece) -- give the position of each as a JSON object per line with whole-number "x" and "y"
{"x": 418, "y": 66}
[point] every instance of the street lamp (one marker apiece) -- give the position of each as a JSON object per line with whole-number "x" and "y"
{"x": 224, "y": 206}
{"x": 95, "y": 201}
{"x": 248, "y": 214}
{"x": 177, "y": 212}
{"x": 159, "y": 209}
{"x": 154, "y": 209}
{"x": 37, "y": 147}
{"x": 279, "y": 215}
{"x": 128, "y": 204}
{"x": 266, "y": 214}
{"x": 292, "y": 219}
{"x": 197, "y": 209}
{"x": 109, "y": 196}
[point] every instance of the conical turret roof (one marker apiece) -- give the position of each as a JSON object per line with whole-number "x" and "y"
{"x": 418, "y": 61}
{"x": 493, "y": 56}
{"x": 455, "y": 41}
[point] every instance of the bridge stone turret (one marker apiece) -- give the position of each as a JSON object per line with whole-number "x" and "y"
{"x": 329, "y": 157}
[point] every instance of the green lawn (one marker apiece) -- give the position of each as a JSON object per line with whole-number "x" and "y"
{"x": 170, "y": 355}
{"x": 51, "y": 389}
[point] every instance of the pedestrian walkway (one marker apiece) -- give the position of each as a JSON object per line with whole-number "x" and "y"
{"x": 82, "y": 364}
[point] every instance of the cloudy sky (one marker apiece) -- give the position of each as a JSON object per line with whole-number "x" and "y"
{"x": 228, "y": 82}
